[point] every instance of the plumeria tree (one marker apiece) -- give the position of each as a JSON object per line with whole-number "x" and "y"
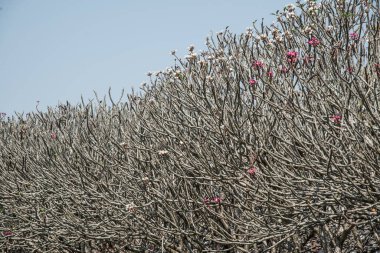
{"x": 267, "y": 141}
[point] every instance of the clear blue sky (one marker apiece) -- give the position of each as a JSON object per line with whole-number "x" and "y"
{"x": 58, "y": 50}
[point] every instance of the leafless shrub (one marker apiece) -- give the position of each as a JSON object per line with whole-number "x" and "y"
{"x": 266, "y": 142}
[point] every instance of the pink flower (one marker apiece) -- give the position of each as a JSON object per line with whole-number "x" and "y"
{"x": 270, "y": 73}
{"x": 258, "y": 64}
{"x": 314, "y": 42}
{"x": 252, "y": 82}
{"x": 336, "y": 118}
{"x": 292, "y": 56}
{"x": 252, "y": 171}
{"x": 354, "y": 36}
{"x": 7, "y": 233}
{"x": 214, "y": 200}
{"x": 217, "y": 200}
{"x": 53, "y": 136}
{"x": 350, "y": 70}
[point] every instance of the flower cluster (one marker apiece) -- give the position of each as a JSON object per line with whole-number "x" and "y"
{"x": 163, "y": 152}
{"x": 7, "y": 233}
{"x": 131, "y": 207}
{"x": 354, "y": 36}
{"x": 336, "y": 119}
{"x": 258, "y": 64}
{"x": 292, "y": 56}
{"x": 252, "y": 171}
{"x": 314, "y": 42}
{"x": 308, "y": 30}
{"x": 330, "y": 28}
{"x": 313, "y": 7}
{"x": 214, "y": 200}
{"x": 290, "y": 11}
{"x": 252, "y": 82}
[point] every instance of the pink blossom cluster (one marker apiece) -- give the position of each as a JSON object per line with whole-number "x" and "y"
{"x": 314, "y": 41}
{"x": 7, "y": 233}
{"x": 354, "y": 36}
{"x": 336, "y": 118}
{"x": 252, "y": 82}
{"x": 214, "y": 200}
{"x": 292, "y": 56}
{"x": 252, "y": 170}
{"x": 258, "y": 64}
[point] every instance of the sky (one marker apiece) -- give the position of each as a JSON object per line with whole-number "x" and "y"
{"x": 53, "y": 51}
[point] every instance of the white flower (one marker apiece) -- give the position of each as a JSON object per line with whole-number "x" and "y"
{"x": 163, "y": 152}
{"x": 131, "y": 207}
{"x": 279, "y": 39}
{"x": 288, "y": 34}
{"x": 291, "y": 15}
{"x": 191, "y": 56}
{"x": 329, "y": 28}
{"x": 275, "y": 31}
{"x": 308, "y": 30}
{"x": 290, "y": 8}
{"x": 257, "y": 38}
{"x": 263, "y": 37}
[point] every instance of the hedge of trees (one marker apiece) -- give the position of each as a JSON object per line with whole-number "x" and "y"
{"x": 267, "y": 141}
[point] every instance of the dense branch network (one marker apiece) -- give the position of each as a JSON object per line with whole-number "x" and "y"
{"x": 267, "y": 141}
